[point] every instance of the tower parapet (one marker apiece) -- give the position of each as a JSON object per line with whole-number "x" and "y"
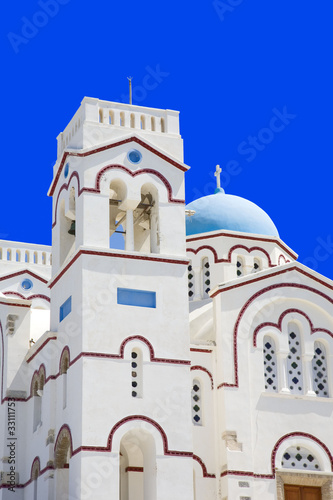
{"x": 98, "y": 121}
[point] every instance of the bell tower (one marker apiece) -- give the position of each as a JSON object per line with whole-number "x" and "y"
{"x": 119, "y": 303}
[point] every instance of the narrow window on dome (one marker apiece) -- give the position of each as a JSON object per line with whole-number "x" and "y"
{"x": 18, "y": 256}
{"x": 122, "y": 119}
{"x": 319, "y": 370}
{"x": 190, "y": 281}
{"x": 26, "y": 257}
{"x": 100, "y": 116}
{"x": 196, "y": 402}
{"x": 294, "y": 361}
{"x": 142, "y": 122}
{"x": 205, "y": 271}
{"x": 153, "y": 127}
{"x": 132, "y": 120}
{"x": 239, "y": 267}
{"x": 256, "y": 265}
{"x": 162, "y": 125}
{"x": 270, "y": 364}
{"x": 111, "y": 118}
{"x": 136, "y": 372}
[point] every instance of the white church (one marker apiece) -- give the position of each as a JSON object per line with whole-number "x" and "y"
{"x": 159, "y": 351}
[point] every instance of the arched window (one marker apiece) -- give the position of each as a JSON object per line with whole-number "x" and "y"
{"x": 122, "y": 119}
{"x": 100, "y": 116}
{"x": 294, "y": 361}
{"x": 136, "y": 372}
{"x": 37, "y": 404}
{"x": 111, "y": 117}
{"x": 190, "y": 281}
{"x": 44, "y": 258}
{"x": 64, "y": 365}
{"x": 142, "y": 122}
{"x": 319, "y": 370}
{"x": 239, "y": 266}
{"x": 132, "y": 120}
{"x": 205, "y": 274}
{"x": 35, "y": 470}
{"x": 9, "y": 254}
{"x": 270, "y": 365}
{"x": 297, "y": 457}
{"x": 26, "y": 256}
{"x": 62, "y": 455}
{"x": 196, "y": 403}
{"x": 153, "y": 125}
{"x": 35, "y": 258}
{"x": 162, "y": 125}
{"x": 18, "y": 256}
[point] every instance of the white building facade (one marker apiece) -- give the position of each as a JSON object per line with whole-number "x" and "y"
{"x": 146, "y": 361}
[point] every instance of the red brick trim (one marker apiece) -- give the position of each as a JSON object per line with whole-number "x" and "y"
{"x": 272, "y": 275}
{"x": 99, "y": 175}
{"x": 19, "y": 273}
{"x": 299, "y": 434}
{"x": 273, "y": 456}
{"x": 130, "y": 418}
{"x": 122, "y": 349}
{"x": 232, "y": 249}
{"x": 134, "y": 469}
{"x": 197, "y": 367}
{"x": 41, "y": 347}
{"x": 278, "y": 325}
{"x": 292, "y": 254}
{"x": 246, "y": 305}
{"x": 14, "y": 305}
{"x": 206, "y": 351}
{"x": 203, "y": 467}
{"x": 30, "y": 297}
{"x": 112, "y": 254}
{"x": 68, "y": 154}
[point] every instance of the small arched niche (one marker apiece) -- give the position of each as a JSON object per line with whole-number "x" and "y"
{"x": 146, "y": 221}
{"x": 117, "y": 217}
{"x": 137, "y": 466}
{"x": 62, "y": 456}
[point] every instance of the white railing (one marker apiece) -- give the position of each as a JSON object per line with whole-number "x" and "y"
{"x": 14, "y": 251}
{"x": 115, "y": 114}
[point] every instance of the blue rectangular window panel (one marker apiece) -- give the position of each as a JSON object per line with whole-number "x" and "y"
{"x": 65, "y": 309}
{"x": 139, "y": 298}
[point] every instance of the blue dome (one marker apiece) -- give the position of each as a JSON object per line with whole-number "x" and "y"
{"x": 225, "y": 211}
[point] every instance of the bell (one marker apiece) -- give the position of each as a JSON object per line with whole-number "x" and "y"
{"x": 72, "y": 228}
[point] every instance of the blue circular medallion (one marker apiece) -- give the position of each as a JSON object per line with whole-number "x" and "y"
{"x": 27, "y": 284}
{"x": 134, "y": 156}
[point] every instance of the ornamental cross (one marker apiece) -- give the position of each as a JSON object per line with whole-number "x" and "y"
{"x": 218, "y": 175}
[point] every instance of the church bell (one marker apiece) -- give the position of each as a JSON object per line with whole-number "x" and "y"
{"x": 72, "y": 228}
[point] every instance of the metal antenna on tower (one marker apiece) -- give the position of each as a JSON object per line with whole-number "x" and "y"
{"x": 130, "y": 78}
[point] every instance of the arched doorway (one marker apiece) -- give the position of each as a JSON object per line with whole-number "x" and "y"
{"x": 137, "y": 474}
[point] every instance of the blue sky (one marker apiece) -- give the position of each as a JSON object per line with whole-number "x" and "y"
{"x": 230, "y": 67}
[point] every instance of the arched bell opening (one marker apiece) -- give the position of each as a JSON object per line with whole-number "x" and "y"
{"x": 117, "y": 217}
{"x": 146, "y": 221}
{"x": 67, "y": 222}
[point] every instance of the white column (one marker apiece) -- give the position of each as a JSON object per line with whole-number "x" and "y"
{"x": 307, "y": 376}
{"x": 282, "y": 373}
{"x": 153, "y": 233}
{"x": 129, "y": 241}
